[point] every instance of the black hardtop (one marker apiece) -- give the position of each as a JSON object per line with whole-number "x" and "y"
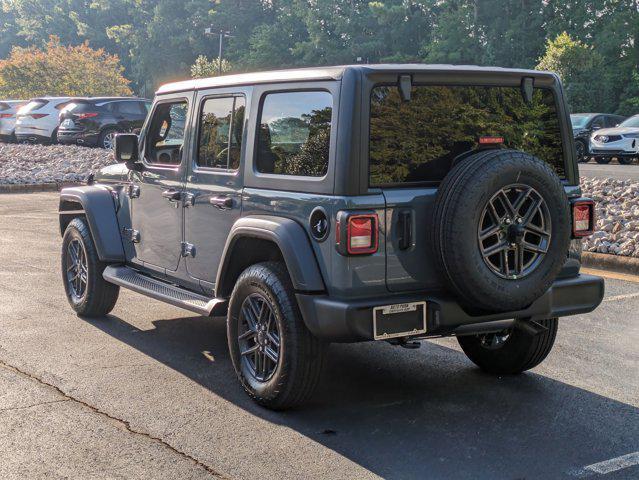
{"x": 452, "y": 72}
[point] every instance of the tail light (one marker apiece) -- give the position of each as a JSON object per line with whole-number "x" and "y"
{"x": 36, "y": 115}
{"x": 6, "y": 115}
{"x": 491, "y": 140}
{"x": 583, "y": 217}
{"x": 82, "y": 116}
{"x": 357, "y": 233}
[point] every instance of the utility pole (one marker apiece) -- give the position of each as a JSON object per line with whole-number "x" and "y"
{"x": 223, "y": 34}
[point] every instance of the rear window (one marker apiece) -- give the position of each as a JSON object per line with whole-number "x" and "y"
{"x": 33, "y": 105}
{"x": 417, "y": 141}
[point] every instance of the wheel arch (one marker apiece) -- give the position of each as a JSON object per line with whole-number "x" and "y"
{"x": 260, "y": 238}
{"x": 96, "y": 205}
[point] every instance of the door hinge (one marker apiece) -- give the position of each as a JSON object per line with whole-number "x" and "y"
{"x": 131, "y": 235}
{"x": 133, "y": 191}
{"x": 188, "y": 249}
{"x": 188, "y": 200}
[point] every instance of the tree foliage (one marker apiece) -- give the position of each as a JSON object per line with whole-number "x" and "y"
{"x": 159, "y": 40}
{"x": 203, "y": 67}
{"x": 62, "y": 71}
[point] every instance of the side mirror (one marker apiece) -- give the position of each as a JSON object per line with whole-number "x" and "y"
{"x": 126, "y": 148}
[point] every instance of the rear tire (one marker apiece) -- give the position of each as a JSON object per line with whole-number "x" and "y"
{"x": 107, "y": 137}
{"x": 521, "y": 350}
{"x": 603, "y": 160}
{"x": 87, "y": 292}
{"x": 264, "y": 317}
{"x": 580, "y": 149}
{"x": 626, "y": 160}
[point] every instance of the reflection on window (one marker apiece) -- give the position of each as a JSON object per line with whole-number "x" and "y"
{"x": 221, "y": 124}
{"x": 294, "y": 134}
{"x": 418, "y": 140}
{"x": 166, "y": 133}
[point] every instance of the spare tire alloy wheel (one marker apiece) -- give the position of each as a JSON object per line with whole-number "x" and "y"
{"x": 514, "y": 231}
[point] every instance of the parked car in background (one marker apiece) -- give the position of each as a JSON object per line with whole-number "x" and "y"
{"x": 96, "y": 121}
{"x": 8, "y": 110}
{"x": 621, "y": 142}
{"x": 37, "y": 121}
{"x": 583, "y": 124}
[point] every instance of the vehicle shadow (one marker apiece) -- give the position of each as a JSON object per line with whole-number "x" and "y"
{"x": 415, "y": 414}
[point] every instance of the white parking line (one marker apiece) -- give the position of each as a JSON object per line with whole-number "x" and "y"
{"x": 609, "y": 466}
{"x": 621, "y": 297}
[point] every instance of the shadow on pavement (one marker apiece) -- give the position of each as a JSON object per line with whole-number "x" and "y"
{"x": 416, "y": 414}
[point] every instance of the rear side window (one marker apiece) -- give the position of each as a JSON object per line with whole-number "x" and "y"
{"x": 33, "y": 105}
{"x": 220, "y": 134}
{"x": 129, "y": 108}
{"x": 417, "y": 141}
{"x": 294, "y": 133}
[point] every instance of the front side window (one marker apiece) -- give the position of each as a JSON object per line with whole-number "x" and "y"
{"x": 220, "y": 134}
{"x": 166, "y": 133}
{"x": 294, "y": 134}
{"x": 417, "y": 140}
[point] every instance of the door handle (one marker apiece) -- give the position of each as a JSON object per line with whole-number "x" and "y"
{"x": 172, "y": 195}
{"x": 221, "y": 202}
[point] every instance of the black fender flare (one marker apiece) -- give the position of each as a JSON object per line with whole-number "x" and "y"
{"x": 293, "y": 242}
{"x": 97, "y": 205}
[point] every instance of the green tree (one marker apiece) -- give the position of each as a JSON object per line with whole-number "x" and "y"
{"x": 61, "y": 70}
{"x": 204, "y": 67}
{"x": 580, "y": 68}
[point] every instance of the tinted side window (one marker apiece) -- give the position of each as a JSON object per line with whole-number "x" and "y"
{"x": 166, "y": 133}
{"x": 294, "y": 133}
{"x": 598, "y": 122}
{"x": 129, "y": 108}
{"x": 220, "y": 134}
{"x": 417, "y": 141}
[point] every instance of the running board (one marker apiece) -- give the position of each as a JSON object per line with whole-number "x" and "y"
{"x": 151, "y": 287}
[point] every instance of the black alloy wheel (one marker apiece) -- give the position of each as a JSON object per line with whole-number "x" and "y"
{"x": 514, "y": 231}
{"x": 77, "y": 270}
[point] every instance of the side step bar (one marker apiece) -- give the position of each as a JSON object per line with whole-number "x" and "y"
{"x": 151, "y": 287}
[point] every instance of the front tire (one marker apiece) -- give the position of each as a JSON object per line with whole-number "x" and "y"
{"x": 625, "y": 160}
{"x": 87, "y": 292}
{"x": 510, "y": 351}
{"x": 580, "y": 149}
{"x": 603, "y": 160}
{"x": 276, "y": 358}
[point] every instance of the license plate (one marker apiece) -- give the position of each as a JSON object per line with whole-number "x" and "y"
{"x": 399, "y": 320}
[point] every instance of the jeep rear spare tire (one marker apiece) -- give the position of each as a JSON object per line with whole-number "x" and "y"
{"x": 501, "y": 229}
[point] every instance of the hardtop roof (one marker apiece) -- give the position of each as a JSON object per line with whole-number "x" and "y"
{"x": 333, "y": 73}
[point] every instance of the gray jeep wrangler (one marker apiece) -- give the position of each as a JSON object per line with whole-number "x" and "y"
{"x": 344, "y": 204}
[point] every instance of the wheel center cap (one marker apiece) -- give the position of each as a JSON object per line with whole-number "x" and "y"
{"x": 516, "y": 233}
{"x": 261, "y": 338}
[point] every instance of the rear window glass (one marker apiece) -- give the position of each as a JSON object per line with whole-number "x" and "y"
{"x": 294, "y": 134}
{"x": 33, "y": 105}
{"x": 417, "y": 141}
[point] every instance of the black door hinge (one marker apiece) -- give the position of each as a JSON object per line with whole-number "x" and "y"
{"x": 131, "y": 235}
{"x": 188, "y": 249}
{"x": 133, "y": 191}
{"x": 404, "y": 230}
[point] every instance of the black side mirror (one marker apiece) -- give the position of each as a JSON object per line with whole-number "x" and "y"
{"x": 126, "y": 148}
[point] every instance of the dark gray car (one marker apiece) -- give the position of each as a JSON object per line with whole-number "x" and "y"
{"x": 344, "y": 204}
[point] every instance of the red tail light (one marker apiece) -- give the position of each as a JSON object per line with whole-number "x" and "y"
{"x": 6, "y": 115}
{"x": 82, "y": 116}
{"x": 490, "y": 140}
{"x": 37, "y": 115}
{"x": 357, "y": 233}
{"x": 583, "y": 217}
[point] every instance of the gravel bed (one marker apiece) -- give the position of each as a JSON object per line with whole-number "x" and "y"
{"x": 37, "y": 164}
{"x": 617, "y": 213}
{"x": 617, "y": 229}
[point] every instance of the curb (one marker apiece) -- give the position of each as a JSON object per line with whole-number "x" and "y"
{"x": 34, "y": 188}
{"x": 615, "y": 263}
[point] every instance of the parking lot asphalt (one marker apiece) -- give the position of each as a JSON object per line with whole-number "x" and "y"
{"x": 149, "y": 392}
{"x": 612, "y": 170}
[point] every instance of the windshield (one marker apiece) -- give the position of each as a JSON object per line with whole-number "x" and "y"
{"x": 579, "y": 121}
{"x": 631, "y": 122}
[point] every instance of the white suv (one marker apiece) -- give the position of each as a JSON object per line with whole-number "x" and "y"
{"x": 620, "y": 142}
{"x": 8, "y": 109}
{"x": 38, "y": 120}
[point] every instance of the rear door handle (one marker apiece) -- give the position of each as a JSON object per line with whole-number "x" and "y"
{"x": 172, "y": 195}
{"x": 221, "y": 202}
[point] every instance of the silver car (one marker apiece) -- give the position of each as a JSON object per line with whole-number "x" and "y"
{"x": 620, "y": 142}
{"x": 8, "y": 110}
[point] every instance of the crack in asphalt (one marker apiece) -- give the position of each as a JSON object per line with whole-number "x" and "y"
{"x": 124, "y": 423}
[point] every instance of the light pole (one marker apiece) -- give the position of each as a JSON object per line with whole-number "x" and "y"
{"x": 223, "y": 34}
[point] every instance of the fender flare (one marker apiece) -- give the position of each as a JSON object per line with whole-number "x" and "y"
{"x": 98, "y": 207}
{"x": 293, "y": 242}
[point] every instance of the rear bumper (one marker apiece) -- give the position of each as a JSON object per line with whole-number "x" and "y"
{"x": 352, "y": 321}
{"x": 77, "y": 138}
